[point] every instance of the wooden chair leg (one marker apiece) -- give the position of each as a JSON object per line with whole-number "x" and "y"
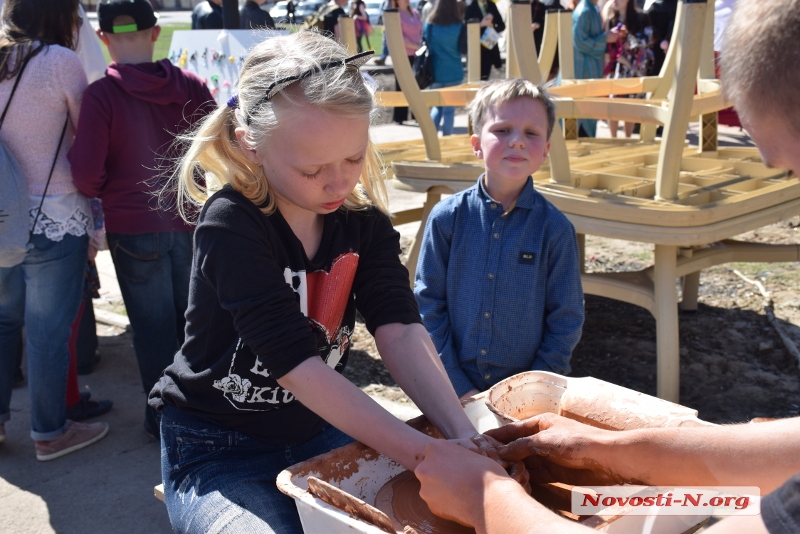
{"x": 691, "y": 287}
{"x": 413, "y": 255}
{"x": 667, "y": 340}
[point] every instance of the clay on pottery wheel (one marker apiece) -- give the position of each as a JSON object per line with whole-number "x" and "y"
{"x": 399, "y": 499}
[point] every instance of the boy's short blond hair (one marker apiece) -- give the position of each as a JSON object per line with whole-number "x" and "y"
{"x": 760, "y": 67}
{"x": 499, "y": 92}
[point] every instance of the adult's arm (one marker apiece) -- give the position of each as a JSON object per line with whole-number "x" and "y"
{"x": 474, "y": 491}
{"x": 762, "y": 455}
{"x": 87, "y": 157}
{"x": 586, "y": 42}
{"x": 497, "y": 19}
{"x": 430, "y": 288}
{"x": 563, "y": 313}
{"x": 71, "y": 77}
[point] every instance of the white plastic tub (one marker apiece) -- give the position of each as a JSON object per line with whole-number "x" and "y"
{"x": 361, "y": 471}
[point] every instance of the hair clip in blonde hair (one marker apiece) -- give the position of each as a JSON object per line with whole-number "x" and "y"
{"x": 276, "y": 87}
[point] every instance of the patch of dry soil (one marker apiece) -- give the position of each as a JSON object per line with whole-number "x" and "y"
{"x": 733, "y": 365}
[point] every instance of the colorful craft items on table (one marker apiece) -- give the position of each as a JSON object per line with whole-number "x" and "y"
{"x": 182, "y": 59}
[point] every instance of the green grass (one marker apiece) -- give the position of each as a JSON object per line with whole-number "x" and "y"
{"x": 376, "y": 40}
{"x": 162, "y": 45}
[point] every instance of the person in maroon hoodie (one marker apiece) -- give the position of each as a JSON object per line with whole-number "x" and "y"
{"x": 127, "y": 125}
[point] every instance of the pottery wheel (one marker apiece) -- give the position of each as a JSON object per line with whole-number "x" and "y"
{"x": 399, "y": 499}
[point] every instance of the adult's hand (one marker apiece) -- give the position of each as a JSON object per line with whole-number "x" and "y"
{"x": 454, "y": 480}
{"x": 557, "y": 449}
{"x": 475, "y": 491}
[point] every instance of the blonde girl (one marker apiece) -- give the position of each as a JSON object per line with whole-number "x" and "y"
{"x": 291, "y": 240}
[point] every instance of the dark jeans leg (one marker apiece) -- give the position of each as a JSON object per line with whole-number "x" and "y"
{"x": 400, "y": 114}
{"x": 152, "y": 270}
{"x": 87, "y": 340}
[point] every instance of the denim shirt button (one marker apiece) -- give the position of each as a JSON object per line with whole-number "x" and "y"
{"x": 487, "y": 376}
{"x": 491, "y": 276}
{"x": 483, "y": 352}
{"x": 494, "y": 206}
{"x": 487, "y": 314}
{"x": 496, "y": 235}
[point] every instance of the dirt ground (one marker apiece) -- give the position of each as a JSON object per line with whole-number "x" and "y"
{"x": 733, "y": 364}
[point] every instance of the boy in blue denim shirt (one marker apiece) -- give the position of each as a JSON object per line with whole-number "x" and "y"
{"x": 498, "y": 280}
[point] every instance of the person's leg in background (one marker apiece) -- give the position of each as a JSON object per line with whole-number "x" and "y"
{"x": 486, "y": 63}
{"x": 436, "y": 111}
{"x": 145, "y": 274}
{"x": 384, "y": 52}
{"x": 400, "y": 114}
{"x": 73, "y": 391}
{"x": 80, "y": 406}
{"x": 87, "y": 345}
{"x": 443, "y": 116}
{"x": 181, "y": 255}
{"x": 12, "y": 313}
{"x": 54, "y": 285}
{"x": 19, "y": 376}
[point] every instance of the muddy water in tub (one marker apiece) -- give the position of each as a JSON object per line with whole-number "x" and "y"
{"x": 399, "y": 499}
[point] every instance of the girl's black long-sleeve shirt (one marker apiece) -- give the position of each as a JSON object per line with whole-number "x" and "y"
{"x": 258, "y": 307}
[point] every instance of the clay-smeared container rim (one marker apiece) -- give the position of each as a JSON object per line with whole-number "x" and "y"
{"x": 528, "y": 384}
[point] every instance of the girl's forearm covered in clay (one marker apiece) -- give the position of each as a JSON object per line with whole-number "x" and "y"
{"x": 339, "y": 402}
{"x": 409, "y": 354}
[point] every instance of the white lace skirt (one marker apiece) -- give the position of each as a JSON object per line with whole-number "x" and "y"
{"x": 62, "y": 214}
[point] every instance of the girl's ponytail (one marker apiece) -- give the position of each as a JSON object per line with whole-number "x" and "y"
{"x": 213, "y": 159}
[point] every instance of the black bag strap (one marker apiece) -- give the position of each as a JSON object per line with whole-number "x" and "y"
{"x": 16, "y": 82}
{"x": 52, "y": 167}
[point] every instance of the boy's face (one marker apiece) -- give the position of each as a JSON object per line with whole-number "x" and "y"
{"x": 513, "y": 141}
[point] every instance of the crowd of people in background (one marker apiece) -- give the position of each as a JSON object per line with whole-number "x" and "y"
{"x": 611, "y": 38}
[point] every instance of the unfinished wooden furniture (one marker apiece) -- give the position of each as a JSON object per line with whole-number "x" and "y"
{"x": 686, "y": 201}
{"x": 452, "y": 154}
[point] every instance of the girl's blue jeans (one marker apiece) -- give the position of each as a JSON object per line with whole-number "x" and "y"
{"x": 43, "y": 294}
{"x": 443, "y": 116}
{"x": 219, "y": 480}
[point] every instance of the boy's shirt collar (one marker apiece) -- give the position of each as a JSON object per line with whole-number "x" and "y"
{"x": 526, "y": 198}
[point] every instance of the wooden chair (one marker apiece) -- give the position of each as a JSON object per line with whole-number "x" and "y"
{"x": 685, "y": 201}
{"x": 448, "y": 161}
